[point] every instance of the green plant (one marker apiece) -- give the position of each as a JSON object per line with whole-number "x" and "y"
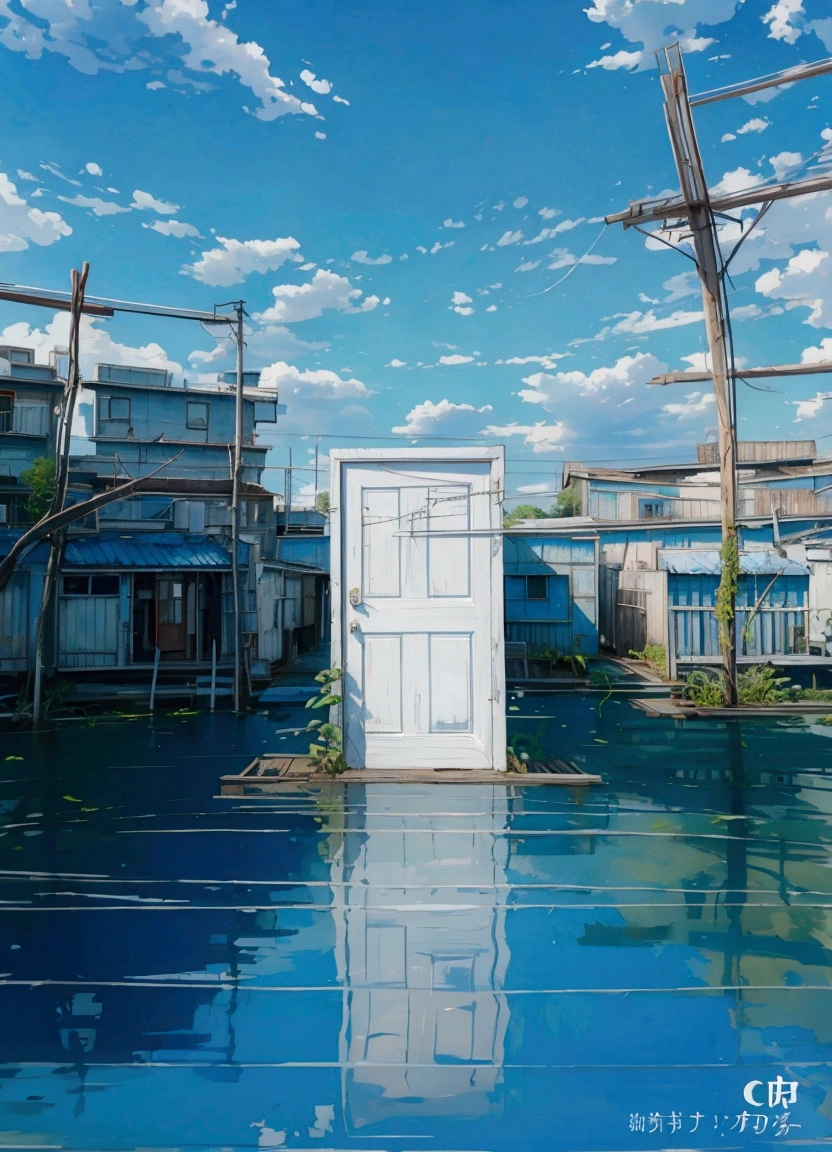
{"x": 602, "y": 680}
{"x": 516, "y": 762}
{"x": 576, "y": 662}
{"x": 328, "y": 755}
{"x": 761, "y": 685}
{"x": 568, "y": 503}
{"x": 705, "y": 690}
{"x": 653, "y": 654}
{"x": 322, "y": 502}
{"x": 54, "y": 696}
{"x": 40, "y": 480}
{"x": 528, "y": 745}
{"x": 524, "y": 512}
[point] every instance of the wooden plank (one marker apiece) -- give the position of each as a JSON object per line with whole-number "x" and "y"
{"x": 299, "y": 771}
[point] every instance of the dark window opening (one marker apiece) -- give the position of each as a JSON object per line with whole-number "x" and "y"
{"x": 91, "y": 585}
{"x": 197, "y": 415}
{"x": 537, "y": 587}
{"x": 115, "y": 408}
{"x": 104, "y": 585}
{"x": 6, "y": 407}
{"x": 653, "y": 509}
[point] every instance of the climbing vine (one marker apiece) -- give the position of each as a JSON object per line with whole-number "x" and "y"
{"x": 726, "y": 596}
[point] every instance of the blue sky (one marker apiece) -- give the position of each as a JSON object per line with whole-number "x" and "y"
{"x": 408, "y": 198}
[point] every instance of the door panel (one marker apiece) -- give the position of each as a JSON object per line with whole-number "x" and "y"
{"x": 419, "y": 643}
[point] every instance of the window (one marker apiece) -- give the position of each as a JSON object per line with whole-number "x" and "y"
{"x": 537, "y": 587}
{"x": 91, "y": 585}
{"x": 197, "y": 415}
{"x": 265, "y": 411}
{"x": 20, "y": 356}
{"x": 170, "y": 602}
{"x": 653, "y": 509}
{"x": 6, "y": 408}
{"x": 115, "y": 408}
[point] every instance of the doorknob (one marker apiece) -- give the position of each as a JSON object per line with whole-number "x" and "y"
{"x": 355, "y": 597}
{"x": 353, "y": 626}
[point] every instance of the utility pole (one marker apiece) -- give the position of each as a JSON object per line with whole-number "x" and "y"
{"x": 63, "y": 438}
{"x": 699, "y": 209}
{"x": 288, "y": 496}
{"x": 237, "y": 469}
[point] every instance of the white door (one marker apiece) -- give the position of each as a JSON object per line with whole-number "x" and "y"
{"x": 419, "y": 609}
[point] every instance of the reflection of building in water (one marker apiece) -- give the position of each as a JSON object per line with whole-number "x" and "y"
{"x": 422, "y": 953}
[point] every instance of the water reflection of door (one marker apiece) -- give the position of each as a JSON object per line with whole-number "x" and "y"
{"x": 424, "y": 954}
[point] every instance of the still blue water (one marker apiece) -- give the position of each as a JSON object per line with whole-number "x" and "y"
{"x": 413, "y": 968}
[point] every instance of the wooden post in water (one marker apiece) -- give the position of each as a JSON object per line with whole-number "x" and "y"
{"x": 153, "y": 681}
{"x": 213, "y": 673}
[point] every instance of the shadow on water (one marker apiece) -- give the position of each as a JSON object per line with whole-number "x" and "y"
{"x": 642, "y": 965}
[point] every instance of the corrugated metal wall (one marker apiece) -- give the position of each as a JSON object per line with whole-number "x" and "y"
{"x": 14, "y": 623}
{"x": 88, "y": 631}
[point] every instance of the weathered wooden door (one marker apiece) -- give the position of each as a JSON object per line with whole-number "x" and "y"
{"x": 419, "y": 608}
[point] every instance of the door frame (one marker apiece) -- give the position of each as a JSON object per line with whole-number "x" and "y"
{"x": 495, "y": 457}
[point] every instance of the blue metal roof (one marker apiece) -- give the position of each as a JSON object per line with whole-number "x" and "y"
{"x": 151, "y": 550}
{"x": 699, "y": 562}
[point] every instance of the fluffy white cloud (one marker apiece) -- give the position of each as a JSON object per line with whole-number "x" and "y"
{"x": 453, "y": 419}
{"x": 438, "y": 246}
{"x": 694, "y": 404}
{"x": 455, "y": 358}
{"x": 394, "y": 363}
{"x": 20, "y": 222}
{"x": 209, "y": 46}
{"x": 756, "y": 124}
{"x": 94, "y": 169}
{"x": 449, "y": 223}
{"x": 532, "y": 489}
{"x": 547, "y": 361}
{"x": 236, "y": 259}
{"x": 527, "y": 266}
{"x": 783, "y": 162}
{"x": 541, "y": 437}
{"x": 312, "y": 384}
{"x": 546, "y": 389}
{"x": 321, "y": 86}
{"x": 177, "y": 228}
{"x": 218, "y": 352}
{"x": 295, "y": 302}
{"x": 639, "y": 323}
{"x": 144, "y": 201}
{"x": 95, "y": 204}
{"x": 653, "y": 23}
{"x": 520, "y": 202}
{"x": 737, "y": 181}
{"x": 548, "y": 213}
{"x": 461, "y": 302}
{"x": 622, "y": 59}
{"x": 820, "y": 354}
{"x": 509, "y": 238}
{"x": 784, "y": 20}
{"x": 363, "y": 258}
{"x": 808, "y": 409}
{"x": 563, "y": 258}
{"x": 804, "y": 283}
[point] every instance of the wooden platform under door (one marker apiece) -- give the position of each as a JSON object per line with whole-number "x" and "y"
{"x": 270, "y": 773}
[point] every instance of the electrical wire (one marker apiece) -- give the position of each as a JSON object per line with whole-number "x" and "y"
{"x": 572, "y": 268}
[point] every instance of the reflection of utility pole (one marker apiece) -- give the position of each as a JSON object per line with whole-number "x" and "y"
{"x": 699, "y": 209}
